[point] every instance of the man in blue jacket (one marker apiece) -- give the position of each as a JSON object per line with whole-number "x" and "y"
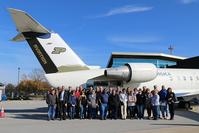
{"x": 73, "y": 104}
{"x": 163, "y": 101}
{"x": 104, "y": 104}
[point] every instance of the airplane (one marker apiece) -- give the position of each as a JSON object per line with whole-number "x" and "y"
{"x": 63, "y": 67}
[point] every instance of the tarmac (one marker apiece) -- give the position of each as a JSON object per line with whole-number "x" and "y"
{"x": 31, "y": 117}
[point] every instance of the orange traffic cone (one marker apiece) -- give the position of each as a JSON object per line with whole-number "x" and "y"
{"x": 2, "y": 113}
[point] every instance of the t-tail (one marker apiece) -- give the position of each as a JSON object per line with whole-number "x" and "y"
{"x": 50, "y": 49}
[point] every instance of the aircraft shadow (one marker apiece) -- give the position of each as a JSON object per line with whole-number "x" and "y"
{"x": 171, "y": 124}
{"x": 31, "y": 114}
{"x": 36, "y": 110}
{"x": 188, "y": 114}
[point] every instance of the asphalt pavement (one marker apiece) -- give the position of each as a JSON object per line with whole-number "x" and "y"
{"x": 31, "y": 117}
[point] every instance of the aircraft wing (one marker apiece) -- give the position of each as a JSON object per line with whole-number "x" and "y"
{"x": 104, "y": 78}
{"x": 187, "y": 94}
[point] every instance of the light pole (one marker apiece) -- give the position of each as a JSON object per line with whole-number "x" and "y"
{"x": 18, "y": 81}
{"x": 18, "y": 74}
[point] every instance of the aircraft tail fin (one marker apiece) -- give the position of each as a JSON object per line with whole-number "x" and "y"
{"x": 25, "y": 23}
{"x": 50, "y": 49}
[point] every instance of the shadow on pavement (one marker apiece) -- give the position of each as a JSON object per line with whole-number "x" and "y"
{"x": 37, "y": 110}
{"x": 178, "y": 124}
{"x": 31, "y": 114}
{"x": 189, "y": 115}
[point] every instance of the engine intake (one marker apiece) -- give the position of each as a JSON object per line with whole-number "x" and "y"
{"x": 133, "y": 72}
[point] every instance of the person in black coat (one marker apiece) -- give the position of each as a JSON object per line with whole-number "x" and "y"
{"x": 171, "y": 99}
{"x": 114, "y": 103}
{"x": 140, "y": 104}
{"x": 63, "y": 100}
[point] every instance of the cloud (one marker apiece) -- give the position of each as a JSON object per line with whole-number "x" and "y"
{"x": 188, "y": 1}
{"x": 137, "y": 43}
{"x": 126, "y": 9}
{"x": 134, "y": 39}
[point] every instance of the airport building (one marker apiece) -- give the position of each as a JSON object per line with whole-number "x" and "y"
{"x": 160, "y": 60}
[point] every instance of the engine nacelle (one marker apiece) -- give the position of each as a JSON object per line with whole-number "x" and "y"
{"x": 133, "y": 72}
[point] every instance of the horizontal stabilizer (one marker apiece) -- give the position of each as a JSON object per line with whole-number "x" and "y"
{"x": 25, "y": 23}
{"x": 20, "y": 37}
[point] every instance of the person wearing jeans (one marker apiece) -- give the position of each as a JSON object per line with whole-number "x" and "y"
{"x": 73, "y": 103}
{"x": 131, "y": 104}
{"x": 104, "y": 104}
{"x": 92, "y": 105}
{"x": 83, "y": 104}
{"x": 163, "y": 102}
{"x": 140, "y": 104}
{"x": 51, "y": 100}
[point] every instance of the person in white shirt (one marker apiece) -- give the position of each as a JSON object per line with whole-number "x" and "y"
{"x": 132, "y": 104}
{"x": 123, "y": 102}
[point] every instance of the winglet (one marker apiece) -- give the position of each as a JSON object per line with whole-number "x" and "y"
{"x": 25, "y": 23}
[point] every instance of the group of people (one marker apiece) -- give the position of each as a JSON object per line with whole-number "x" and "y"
{"x": 112, "y": 103}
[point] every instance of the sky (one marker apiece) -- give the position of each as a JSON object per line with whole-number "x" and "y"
{"x": 95, "y": 28}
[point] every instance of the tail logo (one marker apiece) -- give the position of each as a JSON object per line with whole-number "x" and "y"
{"x": 39, "y": 53}
{"x": 58, "y": 50}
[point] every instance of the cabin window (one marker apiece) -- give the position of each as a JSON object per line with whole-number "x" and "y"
{"x": 184, "y": 78}
{"x": 171, "y": 78}
{"x": 197, "y": 78}
{"x": 191, "y": 78}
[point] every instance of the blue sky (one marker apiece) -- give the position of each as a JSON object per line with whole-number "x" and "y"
{"x": 95, "y": 28}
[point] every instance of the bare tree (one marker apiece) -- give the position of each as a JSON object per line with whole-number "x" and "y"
{"x": 37, "y": 75}
{"x": 34, "y": 83}
{"x": 24, "y": 77}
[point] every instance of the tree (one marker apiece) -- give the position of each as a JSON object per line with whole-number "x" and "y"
{"x": 37, "y": 75}
{"x": 33, "y": 84}
{"x": 10, "y": 90}
{"x": 24, "y": 77}
{"x": 31, "y": 87}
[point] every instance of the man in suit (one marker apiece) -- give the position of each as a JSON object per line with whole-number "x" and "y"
{"x": 63, "y": 98}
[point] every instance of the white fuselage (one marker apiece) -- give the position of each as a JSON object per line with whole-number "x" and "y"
{"x": 181, "y": 80}
{"x": 73, "y": 78}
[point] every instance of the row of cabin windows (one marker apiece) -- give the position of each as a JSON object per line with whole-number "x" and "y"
{"x": 186, "y": 78}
